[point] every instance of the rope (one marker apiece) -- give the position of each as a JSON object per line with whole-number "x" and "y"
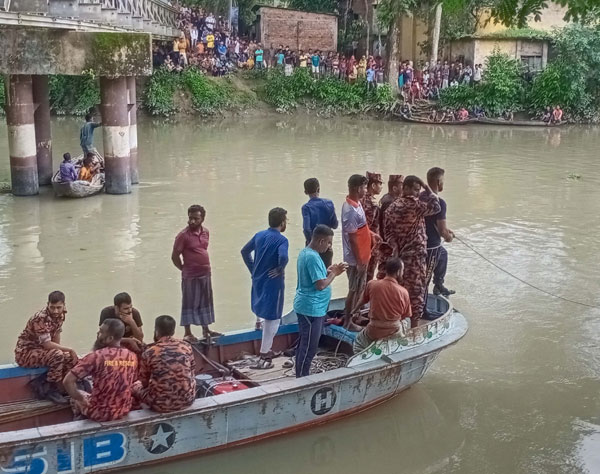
{"x": 523, "y": 281}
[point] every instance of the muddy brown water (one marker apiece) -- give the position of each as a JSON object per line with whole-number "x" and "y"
{"x": 520, "y": 394}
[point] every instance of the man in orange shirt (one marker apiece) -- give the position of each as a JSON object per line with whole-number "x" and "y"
{"x": 390, "y": 310}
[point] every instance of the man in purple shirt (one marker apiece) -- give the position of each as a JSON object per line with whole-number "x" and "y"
{"x": 317, "y": 211}
{"x": 67, "y": 170}
{"x": 190, "y": 256}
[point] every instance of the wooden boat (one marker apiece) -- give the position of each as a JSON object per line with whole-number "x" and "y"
{"x": 79, "y": 189}
{"x": 40, "y": 439}
{"x": 518, "y": 123}
{"x": 429, "y": 122}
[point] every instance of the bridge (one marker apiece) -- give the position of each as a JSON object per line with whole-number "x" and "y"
{"x": 110, "y": 38}
{"x": 148, "y": 16}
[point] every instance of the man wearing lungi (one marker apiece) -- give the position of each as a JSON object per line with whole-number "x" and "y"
{"x": 190, "y": 256}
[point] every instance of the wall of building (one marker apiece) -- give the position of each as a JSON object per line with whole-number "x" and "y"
{"x": 552, "y": 17}
{"x": 297, "y": 29}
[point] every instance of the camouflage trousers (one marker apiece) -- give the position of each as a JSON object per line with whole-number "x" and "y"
{"x": 59, "y": 363}
{"x": 414, "y": 280}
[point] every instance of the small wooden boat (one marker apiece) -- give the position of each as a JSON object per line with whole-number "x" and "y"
{"x": 249, "y": 405}
{"x": 518, "y": 123}
{"x": 429, "y": 122}
{"x": 79, "y": 189}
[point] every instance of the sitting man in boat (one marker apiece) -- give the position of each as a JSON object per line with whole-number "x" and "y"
{"x": 67, "y": 170}
{"x": 313, "y": 293}
{"x": 123, "y": 309}
{"x": 166, "y": 376}
{"x": 266, "y": 255}
{"x": 39, "y": 346}
{"x": 113, "y": 370}
{"x": 88, "y": 168}
{"x": 389, "y": 311}
{"x": 86, "y": 135}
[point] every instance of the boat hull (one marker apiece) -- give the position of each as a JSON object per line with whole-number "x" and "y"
{"x": 222, "y": 421}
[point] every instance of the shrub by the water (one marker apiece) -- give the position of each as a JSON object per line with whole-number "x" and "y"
{"x": 160, "y": 91}
{"x": 74, "y": 95}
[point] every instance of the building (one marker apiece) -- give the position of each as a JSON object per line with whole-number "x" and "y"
{"x": 297, "y": 29}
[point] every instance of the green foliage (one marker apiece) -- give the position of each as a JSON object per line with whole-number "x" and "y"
{"x": 2, "y": 97}
{"x": 518, "y": 33}
{"x": 74, "y": 95}
{"x": 328, "y": 94}
{"x": 519, "y": 13}
{"x": 317, "y": 6}
{"x": 501, "y": 89}
{"x": 160, "y": 91}
{"x": 208, "y": 95}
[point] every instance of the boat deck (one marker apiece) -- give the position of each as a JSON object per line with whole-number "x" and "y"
{"x": 265, "y": 376}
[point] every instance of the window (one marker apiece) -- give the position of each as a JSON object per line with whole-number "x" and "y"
{"x": 532, "y": 63}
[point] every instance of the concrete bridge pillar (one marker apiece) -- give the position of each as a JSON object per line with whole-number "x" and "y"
{"x": 133, "y": 146}
{"x": 115, "y": 128}
{"x": 21, "y": 135}
{"x": 43, "y": 132}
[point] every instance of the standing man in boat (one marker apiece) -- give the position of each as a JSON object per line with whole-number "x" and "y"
{"x": 317, "y": 211}
{"x": 369, "y": 204}
{"x": 190, "y": 256}
{"x": 266, "y": 255}
{"x": 166, "y": 377}
{"x": 86, "y": 135}
{"x": 123, "y": 309}
{"x": 313, "y": 293}
{"x": 113, "y": 370}
{"x": 39, "y": 346}
{"x": 404, "y": 234}
{"x": 389, "y": 311}
{"x": 394, "y": 192}
{"x": 356, "y": 241}
{"x": 436, "y": 229}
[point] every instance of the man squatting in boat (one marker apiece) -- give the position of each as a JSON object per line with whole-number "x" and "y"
{"x": 413, "y": 224}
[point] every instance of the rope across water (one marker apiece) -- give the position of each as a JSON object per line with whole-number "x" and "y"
{"x": 523, "y": 281}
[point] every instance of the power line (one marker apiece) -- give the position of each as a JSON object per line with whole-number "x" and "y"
{"x": 523, "y": 281}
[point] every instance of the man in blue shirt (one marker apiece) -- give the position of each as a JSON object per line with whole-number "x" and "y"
{"x": 317, "y": 211}
{"x": 86, "y": 135}
{"x": 313, "y": 293}
{"x": 315, "y": 59}
{"x": 258, "y": 57}
{"x": 266, "y": 255}
{"x": 67, "y": 170}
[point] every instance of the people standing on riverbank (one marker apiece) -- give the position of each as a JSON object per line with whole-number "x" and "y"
{"x": 39, "y": 346}
{"x": 86, "y": 135}
{"x": 266, "y": 256}
{"x": 313, "y": 293}
{"x": 166, "y": 380}
{"x": 436, "y": 229}
{"x": 405, "y": 237}
{"x": 122, "y": 308}
{"x": 356, "y": 242}
{"x": 190, "y": 256}
{"x": 371, "y": 208}
{"x": 317, "y": 211}
{"x": 113, "y": 370}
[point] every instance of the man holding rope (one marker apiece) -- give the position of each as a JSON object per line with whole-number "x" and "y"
{"x": 436, "y": 228}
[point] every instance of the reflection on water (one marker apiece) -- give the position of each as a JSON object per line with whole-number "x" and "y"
{"x": 512, "y": 397}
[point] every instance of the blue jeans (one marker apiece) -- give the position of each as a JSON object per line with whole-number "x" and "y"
{"x": 309, "y": 333}
{"x": 439, "y": 273}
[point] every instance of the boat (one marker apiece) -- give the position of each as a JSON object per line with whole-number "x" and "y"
{"x": 79, "y": 188}
{"x": 429, "y": 122}
{"x": 236, "y": 404}
{"x": 518, "y": 123}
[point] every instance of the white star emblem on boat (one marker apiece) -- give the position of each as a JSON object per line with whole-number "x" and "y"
{"x": 160, "y": 438}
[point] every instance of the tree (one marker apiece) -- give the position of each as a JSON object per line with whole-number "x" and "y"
{"x": 435, "y": 36}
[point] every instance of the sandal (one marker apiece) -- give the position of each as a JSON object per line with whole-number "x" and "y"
{"x": 262, "y": 364}
{"x": 212, "y": 334}
{"x": 258, "y": 326}
{"x": 191, "y": 339}
{"x": 288, "y": 364}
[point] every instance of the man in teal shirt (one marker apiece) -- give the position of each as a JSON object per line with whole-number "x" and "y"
{"x": 313, "y": 293}
{"x": 258, "y": 57}
{"x": 86, "y": 136}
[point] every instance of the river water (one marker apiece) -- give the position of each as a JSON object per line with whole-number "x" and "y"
{"x": 519, "y": 394}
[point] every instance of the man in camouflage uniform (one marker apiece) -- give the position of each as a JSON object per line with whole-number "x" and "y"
{"x": 405, "y": 237}
{"x": 39, "y": 346}
{"x": 369, "y": 204}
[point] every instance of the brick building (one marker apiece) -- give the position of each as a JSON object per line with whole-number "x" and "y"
{"x": 297, "y": 29}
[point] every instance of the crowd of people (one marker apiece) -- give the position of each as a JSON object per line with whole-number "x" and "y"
{"x": 397, "y": 240}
